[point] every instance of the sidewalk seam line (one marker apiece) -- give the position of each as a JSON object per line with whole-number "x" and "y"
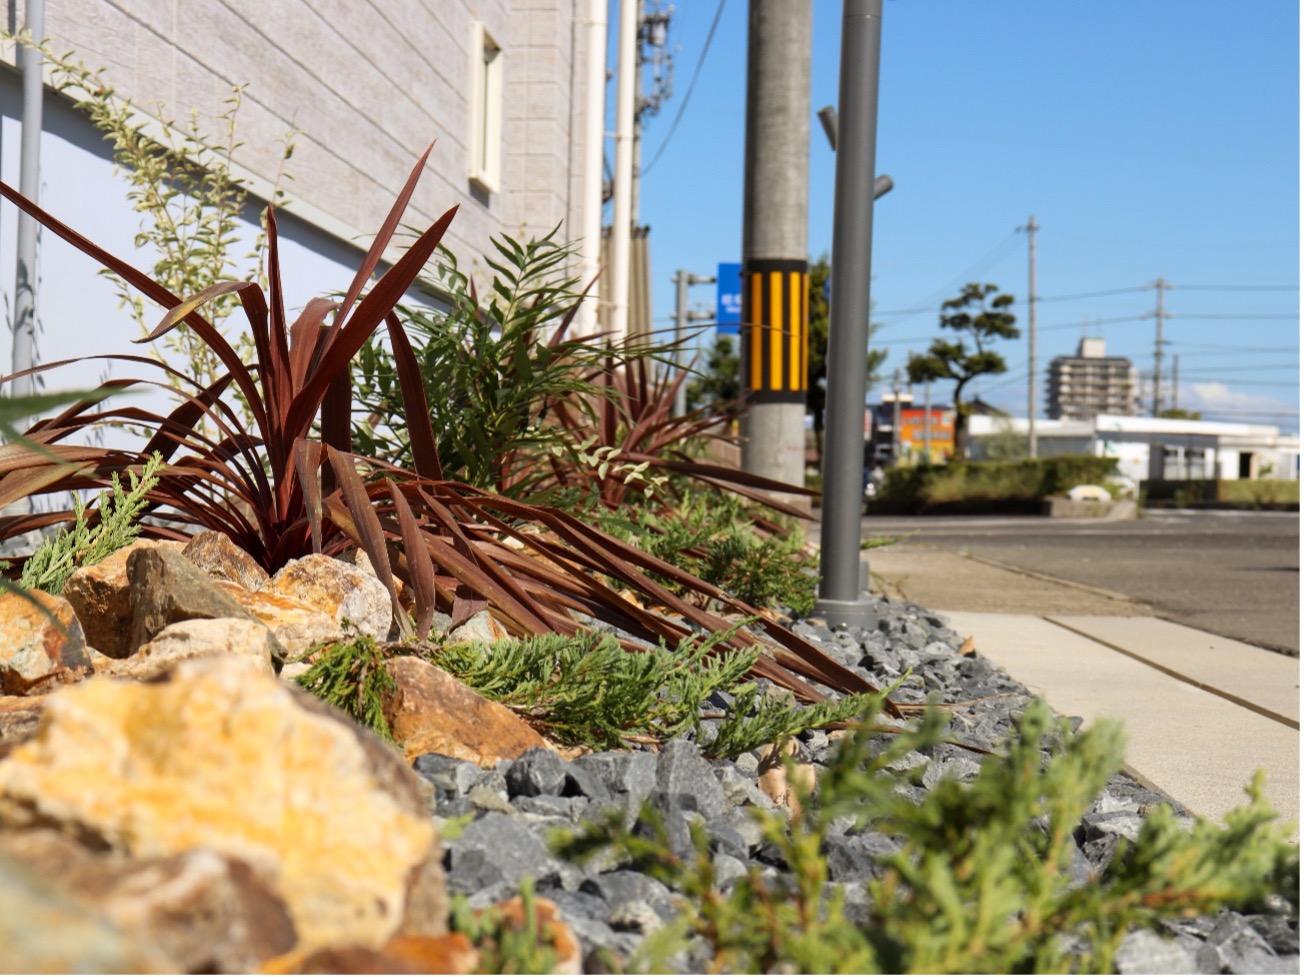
{"x": 1037, "y": 575}
{"x": 1172, "y": 673}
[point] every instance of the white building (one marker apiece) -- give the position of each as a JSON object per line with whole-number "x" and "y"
{"x": 1159, "y": 448}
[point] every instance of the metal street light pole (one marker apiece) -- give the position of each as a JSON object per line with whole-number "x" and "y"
{"x": 840, "y": 600}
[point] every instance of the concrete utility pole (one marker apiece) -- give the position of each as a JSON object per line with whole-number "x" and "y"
{"x": 595, "y": 84}
{"x": 623, "y": 177}
{"x": 841, "y": 601}
{"x": 683, "y": 316}
{"x": 775, "y": 275}
{"x": 29, "y": 185}
{"x": 1032, "y": 229}
{"x": 928, "y": 422}
{"x": 1160, "y": 315}
{"x": 896, "y": 415}
{"x": 1174, "y": 381}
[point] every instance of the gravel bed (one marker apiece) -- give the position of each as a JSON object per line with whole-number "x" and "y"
{"x": 515, "y": 805}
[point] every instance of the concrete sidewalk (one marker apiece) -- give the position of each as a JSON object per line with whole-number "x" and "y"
{"x": 1201, "y": 712}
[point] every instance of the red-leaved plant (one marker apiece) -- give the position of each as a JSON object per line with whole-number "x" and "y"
{"x": 280, "y": 493}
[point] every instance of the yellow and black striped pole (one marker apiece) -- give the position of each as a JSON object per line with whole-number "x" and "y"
{"x": 775, "y": 330}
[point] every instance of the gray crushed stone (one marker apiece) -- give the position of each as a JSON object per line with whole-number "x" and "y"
{"x": 612, "y": 908}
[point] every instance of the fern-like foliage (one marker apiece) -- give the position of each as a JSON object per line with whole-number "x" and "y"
{"x": 109, "y": 526}
{"x": 726, "y": 541}
{"x": 980, "y": 882}
{"x": 351, "y": 676}
{"x": 588, "y": 690}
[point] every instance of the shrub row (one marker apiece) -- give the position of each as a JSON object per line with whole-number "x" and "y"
{"x": 1018, "y": 484}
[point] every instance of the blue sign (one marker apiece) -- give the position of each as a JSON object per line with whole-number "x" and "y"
{"x": 728, "y": 298}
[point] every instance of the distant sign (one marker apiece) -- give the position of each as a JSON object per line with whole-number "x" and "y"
{"x": 728, "y": 298}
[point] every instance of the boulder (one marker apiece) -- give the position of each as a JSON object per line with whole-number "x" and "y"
{"x": 41, "y": 643}
{"x": 341, "y": 590}
{"x": 207, "y": 913}
{"x": 297, "y": 626}
{"x": 167, "y": 588}
{"x": 221, "y": 559}
{"x": 185, "y": 640}
{"x": 43, "y": 930}
{"x": 432, "y": 712}
{"x": 221, "y": 757}
{"x": 19, "y": 716}
{"x": 451, "y": 954}
{"x": 481, "y": 627}
{"x": 101, "y": 596}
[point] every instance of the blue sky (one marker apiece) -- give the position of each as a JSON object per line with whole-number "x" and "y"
{"x": 1150, "y": 139}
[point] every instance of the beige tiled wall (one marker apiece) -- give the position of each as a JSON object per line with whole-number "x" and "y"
{"x": 368, "y": 84}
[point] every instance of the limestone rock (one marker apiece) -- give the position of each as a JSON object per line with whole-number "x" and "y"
{"x": 101, "y": 596}
{"x": 550, "y": 926}
{"x": 45, "y": 931}
{"x": 19, "y": 716}
{"x": 221, "y": 559}
{"x": 167, "y": 588}
{"x": 207, "y": 912}
{"x": 221, "y": 757}
{"x": 339, "y": 589}
{"x": 779, "y": 781}
{"x": 432, "y": 712}
{"x": 36, "y": 654}
{"x": 184, "y": 640}
{"x": 451, "y": 954}
{"x": 297, "y": 625}
{"x": 480, "y": 627}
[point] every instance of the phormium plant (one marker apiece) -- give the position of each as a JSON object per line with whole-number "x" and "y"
{"x": 281, "y": 493}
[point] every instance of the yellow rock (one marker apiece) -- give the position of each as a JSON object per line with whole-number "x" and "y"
{"x": 223, "y": 757}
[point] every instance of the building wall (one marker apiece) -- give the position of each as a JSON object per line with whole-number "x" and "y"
{"x": 367, "y": 84}
{"x": 1082, "y": 387}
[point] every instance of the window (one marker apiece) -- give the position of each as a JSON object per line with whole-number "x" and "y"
{"x": 486, "y": 136}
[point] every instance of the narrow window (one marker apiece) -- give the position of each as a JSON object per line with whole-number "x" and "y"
{"x": 485, "y": 146}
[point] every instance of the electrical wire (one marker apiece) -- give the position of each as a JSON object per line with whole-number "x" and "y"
{"x": 688, "y": 93}
{"x": 1239, "y": 288}
{"x": 1091, "y": 295}
{"x": 1234, "y": 315}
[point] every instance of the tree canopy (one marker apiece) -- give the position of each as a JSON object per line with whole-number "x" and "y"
{"x": 979, "y": 314}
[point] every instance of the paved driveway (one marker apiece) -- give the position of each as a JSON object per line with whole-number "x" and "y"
{"x": 1231, "y": 573}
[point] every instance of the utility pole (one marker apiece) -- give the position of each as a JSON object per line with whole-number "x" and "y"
{"x": 595, "y": 84}
{"x": 896, "y": 415}
{"x": 1032, "y": 228}
{"x": 683, "y": 316}
{"x": 29, "y": 185}
{"x": 841, "y": 599}
{"x": 928, "y": 422}
{"x": 1174, "y": 382}
{"x": 1160, "y": 315}
{"x": 622, "y": 220}
{"x": 775, "y": 274}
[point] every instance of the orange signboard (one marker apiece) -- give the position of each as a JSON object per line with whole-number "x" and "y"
{"x": 941, "y": 431}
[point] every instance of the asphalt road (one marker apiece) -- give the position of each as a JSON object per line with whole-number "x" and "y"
{"x": 1235, "y": 574}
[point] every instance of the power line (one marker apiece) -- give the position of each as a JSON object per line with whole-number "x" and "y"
{"x": 1235, "y": 352}
{"x": 1091, "y": 295}
{"x": 1236, "y": 315}
{"x": 1243, "y": 367}
{"x": 688, "y": 93}
{"x": 1239, "y": 288}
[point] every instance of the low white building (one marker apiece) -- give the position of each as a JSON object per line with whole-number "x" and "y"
{"x": 1157, "y": 447}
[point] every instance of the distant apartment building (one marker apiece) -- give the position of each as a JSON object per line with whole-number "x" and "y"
{"x": 1080, "y": 387}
